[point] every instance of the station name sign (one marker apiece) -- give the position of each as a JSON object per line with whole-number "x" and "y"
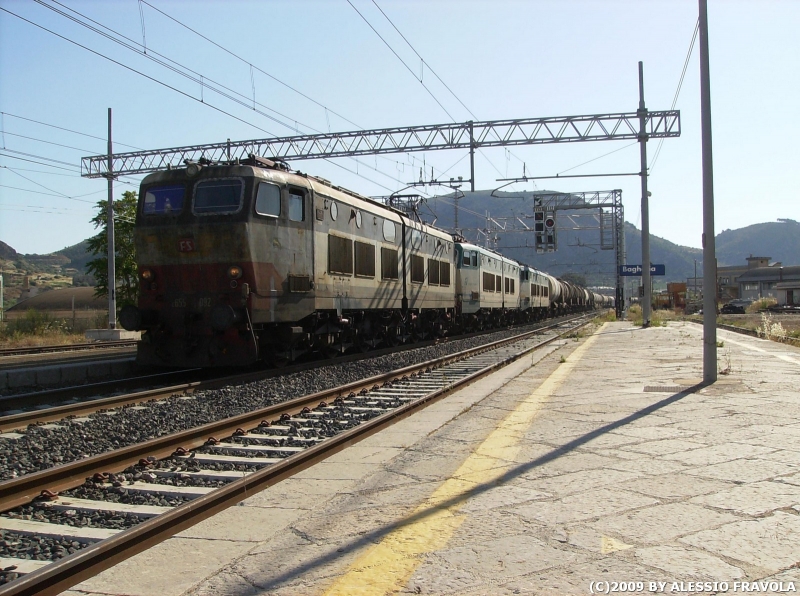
{"x": 636, "y": 270}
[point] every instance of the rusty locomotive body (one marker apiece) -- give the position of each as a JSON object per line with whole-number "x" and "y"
{"x": 248, "y": 261}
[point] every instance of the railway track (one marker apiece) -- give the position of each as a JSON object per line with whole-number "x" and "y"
{"x": 139, "y": 495}
{"x": 26, "y": 351}
{"x": 133, "y": 390}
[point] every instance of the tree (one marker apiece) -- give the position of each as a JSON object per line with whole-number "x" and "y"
{"x": 125, "y": 251}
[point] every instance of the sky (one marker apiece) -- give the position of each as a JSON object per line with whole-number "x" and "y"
{"x": 318, "y": 66}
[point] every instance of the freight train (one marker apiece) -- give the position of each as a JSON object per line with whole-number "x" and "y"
{"x": 246, "y": 261}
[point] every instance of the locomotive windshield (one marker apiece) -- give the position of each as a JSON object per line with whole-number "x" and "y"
{"x": 218, "y": 196}
{"x": 163, "y": 200}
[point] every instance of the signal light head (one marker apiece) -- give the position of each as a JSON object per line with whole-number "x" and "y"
{"x": 550, "y": 222}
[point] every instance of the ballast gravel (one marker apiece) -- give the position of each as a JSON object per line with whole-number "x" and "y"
{"x": 42, "y": 447}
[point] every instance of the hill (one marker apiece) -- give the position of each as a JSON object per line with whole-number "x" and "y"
{"x": 778, "y": 240}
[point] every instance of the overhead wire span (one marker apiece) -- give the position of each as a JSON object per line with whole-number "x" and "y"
{"x": 177, "y": 69}
{"x": 203, "y": 79}
{"x": 449, "y": 115}
{"x": 274, "y": 78}
{"x": 67, "y": 130}
{"x": 420, "y": 78}
{"x": 256, "y": 68}
{"x": 59, "y": 195}
{"x": 678, "y": 90}
{"x": 596, "y": 158}
{"x": 66, "y": 163}
{"x": 12, "y": 134}
{"x": 131, "y": 69}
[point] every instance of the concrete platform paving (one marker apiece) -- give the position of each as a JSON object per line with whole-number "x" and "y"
{"x": 567, "y": 477}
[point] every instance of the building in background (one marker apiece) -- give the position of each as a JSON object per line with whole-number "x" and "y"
{"x": 770, "y": 282}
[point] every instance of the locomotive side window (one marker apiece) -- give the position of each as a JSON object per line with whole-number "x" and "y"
{"x": 163, "y": 200}
{"x": 444, "y": 276}
{"x": 340, "y": 255}
{"x": 223, "y": 195}
{"x": 466, "y": 259}
{"x": 417, "y": 269}
{"x": 389, "y": 230}
{"x": 365, "y": 259}
{"x": 474, "y": 259}
{"x": 268, "y": 199}
{"x": 297, "y": 206}
{"x": 488, "y": 282}
{"x": 433, "y": 272}
{"x": 389, "y": 266}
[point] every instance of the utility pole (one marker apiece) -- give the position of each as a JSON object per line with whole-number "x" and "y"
{"x": 112, "y": 272}
{"x": 709, "y": 243}
{"x": 642, "y": 113}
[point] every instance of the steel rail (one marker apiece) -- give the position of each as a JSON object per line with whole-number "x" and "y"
{"x": 65, "y": 348}
{"x": 23, "y": 489}
{"x": 24, "y": 401}
{"x": 88, "y": 562}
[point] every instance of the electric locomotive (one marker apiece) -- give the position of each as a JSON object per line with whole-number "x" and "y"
{"x": 248, "y": 261}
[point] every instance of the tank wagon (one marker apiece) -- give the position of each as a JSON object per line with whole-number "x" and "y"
{"x": 248, "y": 261}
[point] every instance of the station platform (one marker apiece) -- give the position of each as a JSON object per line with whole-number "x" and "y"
{"x": 599, "y": 462}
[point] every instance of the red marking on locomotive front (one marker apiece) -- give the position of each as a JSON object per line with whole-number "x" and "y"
{"x": 186, "y": 245}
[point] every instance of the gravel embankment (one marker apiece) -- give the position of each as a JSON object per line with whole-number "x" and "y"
{"x": 42, "y": 448}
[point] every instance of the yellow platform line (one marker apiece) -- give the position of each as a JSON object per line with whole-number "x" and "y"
{"x": 387, "y": 566}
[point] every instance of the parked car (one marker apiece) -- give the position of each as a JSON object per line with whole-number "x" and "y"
{"x": 735, "y": 307}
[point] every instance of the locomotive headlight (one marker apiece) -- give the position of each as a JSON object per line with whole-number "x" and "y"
{"x": 234, "y": 272}
{"x": 147, "y": 274}
{"x": 193, "y": 169}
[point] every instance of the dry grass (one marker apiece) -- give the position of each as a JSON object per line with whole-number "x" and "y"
{"x": 658, "y": 318}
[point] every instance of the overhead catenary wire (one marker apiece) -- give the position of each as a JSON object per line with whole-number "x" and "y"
{"x": 179, "y": 69}
{"x": 131, "y": 69}
{"x": 419, "y": 79}
{"x": 449, "y": 115}
{"x": 678, "y": 90}
{"x": 67, "y": 130}
{"x": 203, "y": 80}
{"x": 12, "y": 134}
{"x": 293, "y": 128}
{"x": 265, "y": 73}
{"x": 52, "y": 194}
{"x": 446, "y": 86}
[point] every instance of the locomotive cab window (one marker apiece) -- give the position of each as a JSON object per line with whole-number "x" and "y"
{"x": 163, "y": 200}
{"x": 268, "y": 200}
{"x": 297, "y": 206}
{"x": 223, "y": 195}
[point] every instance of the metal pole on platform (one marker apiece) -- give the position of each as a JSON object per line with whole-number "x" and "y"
{"x": 642, "y": 112}
{"x": 709, "y": 248}
{"x": 112, "y": 271}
